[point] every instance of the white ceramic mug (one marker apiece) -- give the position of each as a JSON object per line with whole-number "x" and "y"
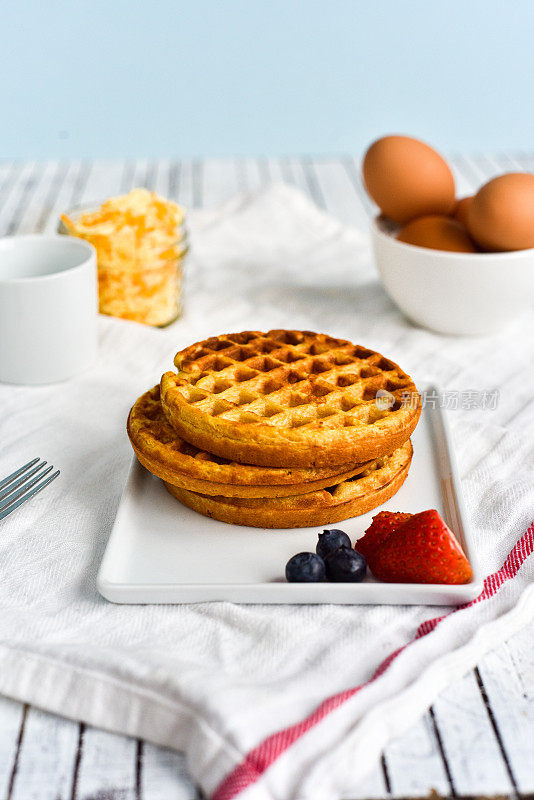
{"x": 48, "y": 308}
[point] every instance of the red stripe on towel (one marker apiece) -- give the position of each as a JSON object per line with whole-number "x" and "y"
{"x": 261, "y": 757}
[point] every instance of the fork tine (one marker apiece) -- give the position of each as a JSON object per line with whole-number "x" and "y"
{"x": 11, "y": 488}
{"x": 36, "y": 490}
{"x": 12, "y": 497}
{"x": 17, "y": 472}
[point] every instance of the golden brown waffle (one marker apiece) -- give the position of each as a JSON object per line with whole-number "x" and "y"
{"x": 350, "y": 498}
{"x": 162, "y": 452}
{"x": 289, "y": 398}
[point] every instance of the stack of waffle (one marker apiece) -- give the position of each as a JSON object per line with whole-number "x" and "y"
{"x": 278, "y": 430}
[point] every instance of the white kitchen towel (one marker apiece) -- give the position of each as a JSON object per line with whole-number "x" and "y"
{"x": 274, "y": 702}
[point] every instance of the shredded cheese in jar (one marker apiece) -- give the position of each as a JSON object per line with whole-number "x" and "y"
{"x": 141, "y": 244}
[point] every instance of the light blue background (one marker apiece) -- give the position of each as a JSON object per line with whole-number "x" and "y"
{"x": 112, "y": 78}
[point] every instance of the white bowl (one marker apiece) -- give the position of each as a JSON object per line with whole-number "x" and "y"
{"x": 455, "y": 293}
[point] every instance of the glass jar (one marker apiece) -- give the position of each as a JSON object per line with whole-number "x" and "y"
{"x": 137, "y": 280}
{"x": 151, "y": 293}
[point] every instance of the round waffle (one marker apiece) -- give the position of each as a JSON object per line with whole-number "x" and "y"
{"x": 289, "y": 398}
{"x": 350, "y": 498}
{"x": 165, "y": 454}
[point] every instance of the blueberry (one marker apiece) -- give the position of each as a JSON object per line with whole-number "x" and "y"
{"x": 345, "y": 565}
{"x": 329, "y": 541}
{"x": 305, "y": 568}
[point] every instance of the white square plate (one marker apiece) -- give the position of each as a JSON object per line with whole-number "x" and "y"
{"x": 162, "y": 552}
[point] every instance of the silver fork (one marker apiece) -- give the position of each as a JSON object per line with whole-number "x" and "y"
{"x": 23, "y": 484}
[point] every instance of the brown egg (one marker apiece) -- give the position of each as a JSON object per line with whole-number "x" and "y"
{"x": 501, "y": 216}
{"x": 437, "y": 233}
{"x": 460, "y": 210}
{"x": 406, "y": 178}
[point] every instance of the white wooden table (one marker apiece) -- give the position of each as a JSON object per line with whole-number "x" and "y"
{"x": 478, "y": 737}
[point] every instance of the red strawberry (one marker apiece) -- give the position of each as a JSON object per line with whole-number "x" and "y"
{"x": 382, "y": 525}
{"x": 421, "y": 550}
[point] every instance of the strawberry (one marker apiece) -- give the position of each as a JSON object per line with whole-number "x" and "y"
{"x": 382, "y": 525}
{"x": 421, "y": 550}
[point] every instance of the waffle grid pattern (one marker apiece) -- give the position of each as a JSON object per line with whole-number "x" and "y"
{"x": 291, "y": 379}
{"x": 163, "y": 452}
